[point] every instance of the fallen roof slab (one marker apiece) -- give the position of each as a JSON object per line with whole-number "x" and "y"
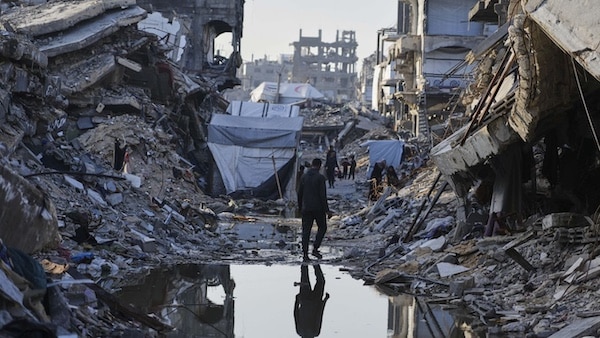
{"x": 53, "y": 17}
{"x": 577, "y": 32}
{"x": 90, "y": 32}
{"x": 86, "y": 73}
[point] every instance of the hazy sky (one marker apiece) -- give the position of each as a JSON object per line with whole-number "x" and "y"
{"x": 270, "y": 26}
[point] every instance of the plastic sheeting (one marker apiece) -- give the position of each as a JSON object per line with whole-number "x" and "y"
{"x": 262, "y": 109}
{"x": 389, "y": 150}
{"x": 249, "y": 150}
{"x": 254, "y": 132}
{"x": 288, "y": 92}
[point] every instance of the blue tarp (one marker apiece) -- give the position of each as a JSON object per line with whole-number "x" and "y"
{"x": 388, "y": 150}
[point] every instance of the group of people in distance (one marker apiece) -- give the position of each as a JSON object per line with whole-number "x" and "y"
{"x": 332, "y": 169}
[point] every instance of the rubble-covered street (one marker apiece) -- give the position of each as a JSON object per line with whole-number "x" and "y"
{"x": 108, "y": 171}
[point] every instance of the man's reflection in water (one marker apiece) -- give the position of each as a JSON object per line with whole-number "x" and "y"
{"x": 309, "y": 306}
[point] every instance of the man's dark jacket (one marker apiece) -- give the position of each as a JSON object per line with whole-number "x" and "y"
{"x": 312, "y": 194}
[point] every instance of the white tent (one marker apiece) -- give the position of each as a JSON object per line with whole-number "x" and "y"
{"x": 262, "y": 109}
{"x": 288, "y": 92}
{"x": 248, "y": 151}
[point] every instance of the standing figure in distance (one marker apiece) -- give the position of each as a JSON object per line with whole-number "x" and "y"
{"x": 375, "y": 187}
{"x": 352, "y": 167}
{"x": 330, "y": 166}
{"x": 345, "y": 166}
{"x": 312, "y": 202}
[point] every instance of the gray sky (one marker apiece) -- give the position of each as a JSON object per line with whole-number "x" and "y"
{"x": 270, "y": 26}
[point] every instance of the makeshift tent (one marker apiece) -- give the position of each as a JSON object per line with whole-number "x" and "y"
{"x": 288, "y": 92}
{"x": 389, "y": 150}
{"x": 262, "y": 109}
{"x": 248, "y": 151}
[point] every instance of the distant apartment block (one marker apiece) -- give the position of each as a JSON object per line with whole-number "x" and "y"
{"x": 422, "y": 68}
{"x": 255, "y": 72}
{"x": 328, "y": 66}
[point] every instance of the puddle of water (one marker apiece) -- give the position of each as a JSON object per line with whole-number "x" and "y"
{"x": 281, "y": 301}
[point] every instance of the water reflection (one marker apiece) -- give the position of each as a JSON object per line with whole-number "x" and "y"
{"x": 310, "y": 304}
{"x": 258, "y": 301}
{"x": 181, "y": 296}
{"x": 410, "y": 316}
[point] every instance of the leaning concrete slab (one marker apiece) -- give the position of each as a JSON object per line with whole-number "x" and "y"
{"x": 488, "y": 141}
{"x": 90, "y": 32}
{"x": 56, "y": 16}
{"x": 580, "y": 328}
{"x": 85, "y": 74}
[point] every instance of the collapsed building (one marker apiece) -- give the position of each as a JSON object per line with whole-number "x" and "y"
{"x": 530, "y": 146}
{"x": 70, "y": 66}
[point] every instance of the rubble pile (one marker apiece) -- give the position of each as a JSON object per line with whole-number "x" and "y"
{"x": 105, "y": 175}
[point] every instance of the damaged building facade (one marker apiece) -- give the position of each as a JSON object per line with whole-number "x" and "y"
{"x": 328, "y": 66}
{"x": 200, "y": 23}
{"x": 421, "y": 69}
{"x": 530, "y": 146}
{"x": 71, "y": 66}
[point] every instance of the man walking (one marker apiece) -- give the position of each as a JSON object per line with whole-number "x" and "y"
{"x": 312, "y": 202}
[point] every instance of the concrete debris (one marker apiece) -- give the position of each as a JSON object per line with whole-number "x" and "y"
{"x": 105, "y": 173}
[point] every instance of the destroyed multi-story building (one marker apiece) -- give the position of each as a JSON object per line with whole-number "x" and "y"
{"x": 530, "y": 145}
{"x": 328, "y": 66}
{"x": 255, "y": 72}
{"x": 423, "y": 70}
{"x": 365, "y": 80}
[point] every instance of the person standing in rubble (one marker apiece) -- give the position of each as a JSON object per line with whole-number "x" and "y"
{"x": 331, "y": 164}
{"x": 345, "y": 167}
{"x": 312, "y": 202}
{"x": 392, "y": 178}
{"x": 352, "y": 167}
{"x": 376, "y": 179}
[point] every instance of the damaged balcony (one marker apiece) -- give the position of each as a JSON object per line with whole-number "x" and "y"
{"x": 406, "y": 44}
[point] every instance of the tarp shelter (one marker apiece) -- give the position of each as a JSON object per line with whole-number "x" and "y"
{"x": 248, "y": 151}
{"x": 389, "y": 150}
{"x": 288, "y": 92}
{"x": 262, "y": 109}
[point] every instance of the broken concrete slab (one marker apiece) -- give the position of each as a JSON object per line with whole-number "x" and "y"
{"x": 580, "y": 328}
{"x": 90, "y": 32}
{"x": 56, "y": 16}
{"x": 435, "y": 244}
{"x": 448, "y": 269}
{"x": 565, "y": 219}
{"x": 84, "y": 74}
